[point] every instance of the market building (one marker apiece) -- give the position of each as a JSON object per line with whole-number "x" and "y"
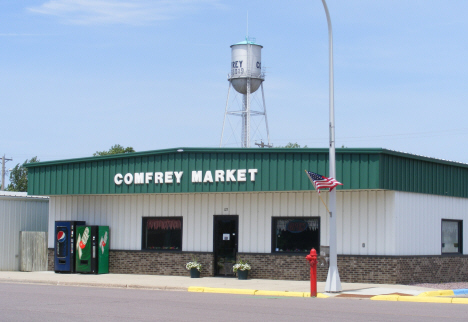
{"x": 400, "y": 216}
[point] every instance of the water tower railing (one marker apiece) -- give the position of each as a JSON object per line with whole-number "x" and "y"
{"x": 261, "y": 76}
{"x": 251, "y": 40}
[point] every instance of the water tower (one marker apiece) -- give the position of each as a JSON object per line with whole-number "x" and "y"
{"x": 246, "y": 78}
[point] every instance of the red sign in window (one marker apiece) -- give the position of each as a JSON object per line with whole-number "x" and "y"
{"x": 297, "y": 226}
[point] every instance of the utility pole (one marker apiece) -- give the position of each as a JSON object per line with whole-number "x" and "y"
{"x": 263, "y": 145}
{"x": 3, "y": 171}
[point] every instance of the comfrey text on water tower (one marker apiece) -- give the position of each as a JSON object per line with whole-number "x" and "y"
{"x": 246, "y": 77}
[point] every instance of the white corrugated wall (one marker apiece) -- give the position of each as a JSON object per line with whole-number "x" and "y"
{"x": 364, "y": 217}
{"x": 19, "y": 214}
{"x": 419, "y": 219}
{"x": 365, "y": 223}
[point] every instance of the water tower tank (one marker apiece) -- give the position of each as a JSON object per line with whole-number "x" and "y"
{"x": 246, "y": 62}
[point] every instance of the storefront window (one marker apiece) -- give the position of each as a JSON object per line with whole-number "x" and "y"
{"x": 295, "y": 234}
{"x": 162, "y": 233}
{"x": 452, "y": 236}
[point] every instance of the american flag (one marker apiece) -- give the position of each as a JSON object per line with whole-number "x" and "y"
{"x": 321, "y": 182}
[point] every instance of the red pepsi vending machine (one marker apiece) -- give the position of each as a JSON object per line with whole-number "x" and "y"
{"x": 65, "y": 241}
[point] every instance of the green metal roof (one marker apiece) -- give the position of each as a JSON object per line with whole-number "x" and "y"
{"x": 278, "y": 169}
{"x": 248, "y": 41}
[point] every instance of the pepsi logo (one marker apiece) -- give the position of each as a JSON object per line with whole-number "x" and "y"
{"x": 61, "y": 236}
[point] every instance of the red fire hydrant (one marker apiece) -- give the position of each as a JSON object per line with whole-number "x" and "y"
{"x": 312, "y": 258}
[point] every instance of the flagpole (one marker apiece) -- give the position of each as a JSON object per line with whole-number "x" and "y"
{"x": 333, "y": 283}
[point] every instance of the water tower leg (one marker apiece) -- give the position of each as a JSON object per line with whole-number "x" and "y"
{"x": 225, "y": 114}
{"x": 244, "y": 120}
{"x": 265, "y": 113}
{"x": 247, "y": 115}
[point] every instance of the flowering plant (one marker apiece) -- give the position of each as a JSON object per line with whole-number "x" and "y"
{"x": 241, "y": 265}
{"x": 193, "y": 264}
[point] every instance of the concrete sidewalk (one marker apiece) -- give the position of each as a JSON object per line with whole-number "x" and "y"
{"x": 182, "y": 283}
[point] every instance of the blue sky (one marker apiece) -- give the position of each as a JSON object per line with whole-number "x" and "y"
{"x": 78, "y": 76}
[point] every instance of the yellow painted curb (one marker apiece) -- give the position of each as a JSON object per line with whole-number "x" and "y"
{"x": 196, "y": 289}
{"x": 251, "y": 292}
{"x": 420, "y": 299}
{"x": 438, "y": 293}
{"x": 425, "y": 299}
{"x": 460, "y": 300}
{"x": 293, "y": 294}
{"x": 319, "y": 295}
{"x": 229, "y": 291}
{"x": 280, "y": 293}
{"x": 271, "y": 293}
{"x": 385, "y": 297}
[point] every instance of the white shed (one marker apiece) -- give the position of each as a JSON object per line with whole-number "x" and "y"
{"x": 19, "y": 212}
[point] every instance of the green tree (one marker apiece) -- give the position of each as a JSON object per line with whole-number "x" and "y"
{"x": 115, "y": 149}
{"x": 291, "y": 145}
{"x": 19, "y": 177}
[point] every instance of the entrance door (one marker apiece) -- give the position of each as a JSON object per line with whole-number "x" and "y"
{"x": 225, "y": 244}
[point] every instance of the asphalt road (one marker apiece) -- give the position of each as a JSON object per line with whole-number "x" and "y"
{"x": 31, "y": 302}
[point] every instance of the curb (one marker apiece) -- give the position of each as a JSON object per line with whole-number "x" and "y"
{"x": 421, "y": 299}
{"x": 4, "y": 280}
{"x": 438, "y": 293}
{"x": 458, "y": 292}
{"x": 251, "y": 292}
{"x": 97, "y": 284}
{"x": 462, "y": 291}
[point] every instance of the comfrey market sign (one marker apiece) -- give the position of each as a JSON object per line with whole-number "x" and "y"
{"x": 237, "y": 175}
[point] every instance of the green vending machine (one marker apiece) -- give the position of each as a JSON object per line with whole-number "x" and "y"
{"x": 92, "y": 249}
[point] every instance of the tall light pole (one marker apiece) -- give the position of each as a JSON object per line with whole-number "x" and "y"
{"x": 2, "y": 188}
{"x": 333, "y": 283}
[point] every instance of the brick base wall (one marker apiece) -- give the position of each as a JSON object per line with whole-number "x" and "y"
{"x": 368, "y": 269}
{"x": 152, "y": 263}
{"x": 353, "y": 269}
{"x": 158, "y": 263}
{"x": 282, "y": 267}
{"x": 432, "y": 269}
{"x": 403, "y": 269}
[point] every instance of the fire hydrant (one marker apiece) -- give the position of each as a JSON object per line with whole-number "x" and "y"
{"x": 312, "y": 258}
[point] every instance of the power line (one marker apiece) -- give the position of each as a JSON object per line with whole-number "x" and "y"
{"x": 396, "y": 136}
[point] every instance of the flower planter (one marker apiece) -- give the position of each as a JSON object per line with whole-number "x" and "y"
{"x": 242, "y": 275}
{"x": 194, "y": 273}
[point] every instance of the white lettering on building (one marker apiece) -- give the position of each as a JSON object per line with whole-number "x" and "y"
{"x": 158, "y": 177}
{"x": 168, "y": 177}
{"x": 231, "y": 175}
{"x": 219, "y": 176}
{"x": 118, "y": 179}
{"x": 178, "y": 175}
{"x": 196, "y": 176}
{"x": 148, "y": 177}
{"x": 241, "y": 175}
{"x": 139, "y": 178}
{"x": 252, "y": 174}
{"x": 128, "y": 179}
{"x": 208, "y": 177}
